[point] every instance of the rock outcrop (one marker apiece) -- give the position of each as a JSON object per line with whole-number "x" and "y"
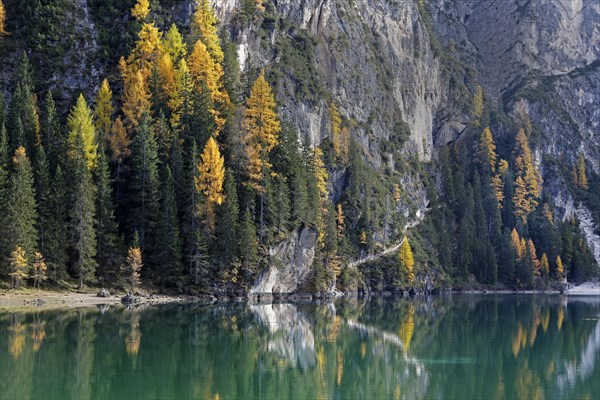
{"x": 291, "y": 264}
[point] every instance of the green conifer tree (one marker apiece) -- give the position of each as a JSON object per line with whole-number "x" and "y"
{"x": 248, "y": 241}
{"x": 57, "y": 230}
{"x": 109, "y": 246}
{"x": 143, "y": 186}
{"x": 22, "y": 207}
{"x": 167, "y": 248}
{"x": 227, "y": 226}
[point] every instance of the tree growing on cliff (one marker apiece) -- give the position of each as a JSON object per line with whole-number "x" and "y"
{"x": 262, "y": 127}
{"x": 582, "y": 180}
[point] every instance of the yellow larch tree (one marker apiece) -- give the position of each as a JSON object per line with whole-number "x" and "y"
{"x": 136, "y": 99}
{"x": 174, "y": 45}
{"x": 38, "y": 272}
{"x": 147, "y": 51}
{"x": 560, "y": 269}
{"x": 166, "y": 72}
{"x": 133, "y": 265}
{"x": 487, "y": 149}
{"x": 2, "y": 19}
{"x": 340, "y": 220}
{"x": 80, "y": 123}
{"x": 528, "y": 181}
{"x": 209, "y": 181}
{"x": 18, "y": 267}
{"x": 141, "y": 9}
{"x": 517, "y": 245}
{"x": 262, "y": 126}
{"x": 582, "y": 180}
{"x": 322, "y": 176}
{"x": 206, "y": 24}
{"x": 336, "y": 128}
{"x": 103, "y": 110}
{"x": 478, "y": 103}
{"x": 206, "y": 73}
{"x": 548, "y": 213}
{"x": 534, "y": 258}
{"x": 544, "y": 265}
{"x": 407, "y": 261}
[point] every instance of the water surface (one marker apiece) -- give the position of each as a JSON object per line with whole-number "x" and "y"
{"x": 461, "y": 347}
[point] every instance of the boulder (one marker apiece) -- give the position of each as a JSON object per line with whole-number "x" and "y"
{"x": 103, "y": 293}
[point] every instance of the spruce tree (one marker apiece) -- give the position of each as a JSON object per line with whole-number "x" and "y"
{"x": 108, "y": 241}
{"x": 83, "y": 215}
{"x": 227, "y": 227}
{"x": 248, "y": 241}
{"x": 57, "y": 230}
{"x": 51, "y": 133}
{"x": 22, "y": 207}
{"x": 42, "y": 188}
{"x": 167, "y": 249}
{"x": 143, "y": 186}
{"x": 4, "y": 191}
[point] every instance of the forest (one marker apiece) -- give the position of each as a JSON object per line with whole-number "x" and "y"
{"x": 179, "y": 173}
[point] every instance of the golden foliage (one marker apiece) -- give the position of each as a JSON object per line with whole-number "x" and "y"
{"x": 136, "y": 99}
{"x": 528, "y": 182}
{"x": 103, "y": 109}
{"x": 119, "y": 141}
{"x": 211, "y": 170}
{"x": 340, "y": 368}
{"x": 407, "y": 260}
{"x": 134, "y": 337}
{"x": 16, "y": 339}
{"x": 173, "y": 44}
{"x": 560, "y": 318}
{"x": 478, "y": 103}
{"x": 261, "y": 125}
{"x": 336, "y": 126}
{"x": 206, "y": 23}
{"x": 560, "y": 269}
{"x": 534, "y": 258}
{"x": 487, "y": 149}
{"x": 147, "y": 51}
{"x": 544, "y": 265}
{"x": 407, "y": 328}
{"x": 2, "y": 19}
{"x": 340, "y": 220}
{"x": 141, "y": 9}
{"x": 548, "y": 213}
{"x": 134, "y": 265}
{"x": 517, "y": 244}
{"x": 81, "y": 124}
{"x": 38, "y": 272}
{"x": 210, "y": 179}
{"x": 582, "y": 180}
{"x": 18, "y": 266}
{"x": 207, "y": 73}
{"x": 397, "y": 193}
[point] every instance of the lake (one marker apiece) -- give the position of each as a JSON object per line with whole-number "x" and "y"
{"x": 455, "y": 347}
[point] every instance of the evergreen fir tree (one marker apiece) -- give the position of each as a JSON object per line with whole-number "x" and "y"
{"x": 57, "y": 237}
{"x": 167, "y": 248}
{"x": 143, "y": 186}
{"x": 83, "y": 216}
{"x": 22, "y": 207}
{"x": 248, "y": 241}
{"x": 42, "y": 188}
{"x": 108, "y": 241}
{"x": 52, "y": 137}
{"x": 227, "y": 227}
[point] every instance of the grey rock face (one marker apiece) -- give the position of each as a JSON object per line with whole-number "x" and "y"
{"x": 291, "y": 263}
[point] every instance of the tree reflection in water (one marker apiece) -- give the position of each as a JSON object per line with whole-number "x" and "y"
{"x": 431, "y": 347}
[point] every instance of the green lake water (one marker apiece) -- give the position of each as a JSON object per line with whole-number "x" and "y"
{"x": 455, "y": 347}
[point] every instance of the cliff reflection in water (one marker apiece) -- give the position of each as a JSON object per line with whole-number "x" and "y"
{"x": 438, "y": 347}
